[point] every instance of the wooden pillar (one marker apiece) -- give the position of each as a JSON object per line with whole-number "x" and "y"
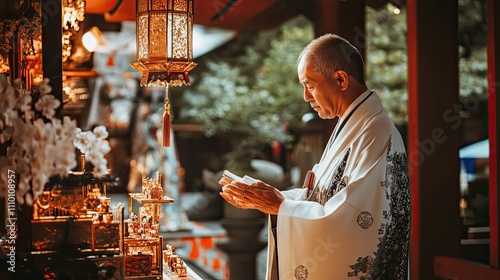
{"x": 346, "y": 19}
{"x": 52, "y": 46}
{"x": 52, "y": 69}
{"x": 493, "y": 20}
{"x": 433, "y": 143}
{"x": 9, "y": 9}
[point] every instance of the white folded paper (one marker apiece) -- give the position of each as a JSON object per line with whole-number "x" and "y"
{"x": 245, "y": 179}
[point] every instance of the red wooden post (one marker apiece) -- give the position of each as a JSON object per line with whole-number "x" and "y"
{"x": 346, "y": 19}
{"x": 433, "y": 141}
{"x": 493, "y": 20}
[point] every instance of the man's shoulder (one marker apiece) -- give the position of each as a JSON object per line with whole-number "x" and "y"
{"x": 378, "y": 129}
{"x": 379, "y": 123}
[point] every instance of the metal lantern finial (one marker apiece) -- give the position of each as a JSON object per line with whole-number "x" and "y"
{"x": 164, "y": 47}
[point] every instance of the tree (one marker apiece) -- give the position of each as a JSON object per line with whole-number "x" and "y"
{"x": 386, "y": 60}
{"x": 386, "y": 64}
{"x": 250, "y": 93}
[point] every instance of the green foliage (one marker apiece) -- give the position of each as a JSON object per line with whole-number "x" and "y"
{"x": 252, "y": 97}
{"x": 386, "y": 62}
{"x": 249, "y": 92}
{"x": 473, "y": 56}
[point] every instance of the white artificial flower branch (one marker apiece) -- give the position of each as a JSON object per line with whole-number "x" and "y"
{"x": 40, "y": 148}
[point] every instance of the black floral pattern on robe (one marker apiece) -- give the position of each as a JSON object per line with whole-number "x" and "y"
{"x": 390, "y": 261}
{"x": 336, "y": 184}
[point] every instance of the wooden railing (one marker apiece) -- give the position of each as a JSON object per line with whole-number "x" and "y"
{"x": 454, "y": 268}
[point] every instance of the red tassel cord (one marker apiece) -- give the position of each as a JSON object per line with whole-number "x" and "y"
{"x": 111, "y": 59}
{"x": 166, "y": 122}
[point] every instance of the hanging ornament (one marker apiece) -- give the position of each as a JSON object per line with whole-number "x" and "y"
{"x": 166, "y": 122}
{"x": 164, "y": 47}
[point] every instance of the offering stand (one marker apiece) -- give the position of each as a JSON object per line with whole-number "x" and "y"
{"x": 144, "y": 254}
{"x": 143, "y": 246}
{"x": 74, "y": 228}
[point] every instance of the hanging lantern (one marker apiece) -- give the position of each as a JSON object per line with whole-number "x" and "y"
{"x": 164, "y": 47}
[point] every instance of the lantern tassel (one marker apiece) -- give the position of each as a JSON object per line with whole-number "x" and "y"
{"x": 166, "y": 122}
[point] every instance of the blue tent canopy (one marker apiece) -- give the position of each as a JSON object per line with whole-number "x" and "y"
{"x": 479, "y": 149}
{"x": 469, "y": 154}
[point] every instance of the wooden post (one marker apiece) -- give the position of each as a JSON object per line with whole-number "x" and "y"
{"x": 9, "y": 9}
{"x": 493, "y": 20}
{"x": 433, "y": 143}
{"x": 52, "y": 68}
{"x": 346, "y": 19}
{"x": 52, "y": 46}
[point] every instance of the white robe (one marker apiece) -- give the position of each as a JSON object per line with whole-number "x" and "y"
{"x": 355, "y": 223}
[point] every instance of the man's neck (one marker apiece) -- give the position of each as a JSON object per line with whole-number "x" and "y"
{"x": 354, "y": 91}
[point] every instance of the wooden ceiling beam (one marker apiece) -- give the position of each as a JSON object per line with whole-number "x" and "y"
{"x": 229, "y": 14}
{"x": 273, "y": 16}
{"x": 377, "y": 4}
{"x": 302, "y": 7}
{"x": 9, "y": 9}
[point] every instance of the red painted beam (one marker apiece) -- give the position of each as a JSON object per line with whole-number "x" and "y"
{"x": 413, "y": 123}
{"x": 453, "y": 268}
{"x": 433, "y": 136}
{"x": 493, "y": 10}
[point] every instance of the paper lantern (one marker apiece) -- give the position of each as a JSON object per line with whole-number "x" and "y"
{"x": 164, "y": 47}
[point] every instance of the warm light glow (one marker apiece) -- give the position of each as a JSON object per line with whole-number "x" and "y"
{"x": 92, "y": 39}
{"x": 164, "y": 42}
{"x": 89, "y": 41}
{"x": 164, "y": 36}
{"x": 393, "y": 8}
{"x": 73, "y": 14}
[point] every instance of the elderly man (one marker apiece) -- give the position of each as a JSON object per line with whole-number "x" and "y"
{"x": 351, "y": 220}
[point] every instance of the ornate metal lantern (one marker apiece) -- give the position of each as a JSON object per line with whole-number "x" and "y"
{"x": 164, "y": 47}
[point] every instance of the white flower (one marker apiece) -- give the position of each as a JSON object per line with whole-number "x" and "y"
{"x": 84, "y": 141}
{"x": 70, "y": 129}
{"x": 42, "y": 149}
{"x": 24, "y": 103}
{"x": 7, "y": 98}
{"x": 101, "y": 132}
{"x": 38, "y": 125}
{"x": 9, "y": 116}
{"x": 57, "y": 129}
{"x": 47, "y": 105}
{"x": 6, "y": 134}
{"x": 3, "y": 83}
{"x": 44, "y": 88}
{"x": 100, "y": 170}
{"x": 46, "y": 132}
{"x": 103, "y": 147}
{"x": 39, "y": 181}
{"x": 95, "y": 148}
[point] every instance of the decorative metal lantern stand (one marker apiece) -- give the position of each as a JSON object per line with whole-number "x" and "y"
{"x": 164, "y": 57}
{"x": 164, "y": 47}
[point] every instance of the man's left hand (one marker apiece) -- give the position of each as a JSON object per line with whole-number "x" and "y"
{"x": 259, "y": 195}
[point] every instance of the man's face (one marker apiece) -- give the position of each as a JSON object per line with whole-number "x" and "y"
{"x": 320, "y": 94}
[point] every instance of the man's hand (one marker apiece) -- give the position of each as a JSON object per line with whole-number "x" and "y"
{"x": 259, "y": 195}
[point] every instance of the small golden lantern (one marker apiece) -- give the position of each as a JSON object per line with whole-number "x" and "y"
{"x": 164, "y": 47}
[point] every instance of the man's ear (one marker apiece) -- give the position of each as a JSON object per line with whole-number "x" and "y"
{"x": 342, "y": 79}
